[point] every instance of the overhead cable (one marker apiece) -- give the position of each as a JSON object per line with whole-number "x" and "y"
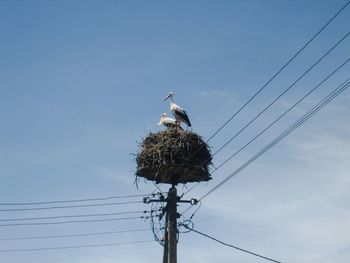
{"x": 284, "y": 134}
{"x": 281, "y": 116}
{"x": 232, "y": 246}
{"x": 74, "y": 235}
{"x": 72, "y": 201}
{"x": 74, "y": 221}
{"x": 71, "y": 216}
{"x": 284, "y": 92}
{"x": 281, "y": 69}
{"x": 272, "y": 123}
{"x": 75, "y": 247}
{"x": 69, "y": 206}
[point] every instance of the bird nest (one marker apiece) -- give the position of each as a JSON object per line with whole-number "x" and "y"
{"x": 174, "y": 156}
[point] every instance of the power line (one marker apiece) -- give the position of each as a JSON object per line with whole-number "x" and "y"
{"x": 291, "y": 128}
{"x": 69, "y": 206}
{"x": 74, "y": 221}
{"x": 277, "y": 98}
{"x": 72, "y": 201}
{"x": 281, "y": 69}
{"x": 75, "y": 235}
{"x": 232, "y": 246}
{"x": 271, "y": 124}
{"x": 71, "y": 216}
{"x": 282, "y": 115}
{"x": 74, "y": 247}
{"x": 284, "y": 92}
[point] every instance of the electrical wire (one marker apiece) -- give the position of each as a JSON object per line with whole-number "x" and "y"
{"x": 284, "y": 92}
{"x": 232, "y": 246}
{"x": 74, "y": 221}
{"x": 158, "y": 236}
{"x": 74, "y": 235}
{"x": 71, "y": 201}
{"x": 69, "y": 206}
{"x": 284, "y": 134}
{"x": 281, "y": 116}
{"x": 280, "y": 70}
{"x": 74, "y": 247}
{"x": 272, "y": 123}
{"x": 276, "y": 99}
{"x": 71, "y": 216}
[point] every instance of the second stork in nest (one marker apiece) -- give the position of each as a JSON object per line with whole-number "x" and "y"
{"x": 166, "y": 121}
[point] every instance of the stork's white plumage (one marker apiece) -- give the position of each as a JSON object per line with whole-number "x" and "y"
{"x": 166, "y": 121}
{"x": 179, "y": 113}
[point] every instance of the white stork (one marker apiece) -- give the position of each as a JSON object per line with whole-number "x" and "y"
{"x": 166, "y": 121}
{"x": 179, "y": 114}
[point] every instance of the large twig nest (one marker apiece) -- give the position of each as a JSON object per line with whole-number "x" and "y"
{"x": 174, "y": 156}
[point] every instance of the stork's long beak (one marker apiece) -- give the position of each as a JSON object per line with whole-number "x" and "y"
{"x": 167, "y": 97}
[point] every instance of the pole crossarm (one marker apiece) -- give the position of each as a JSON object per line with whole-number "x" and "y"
{"x": 162, "y": 199}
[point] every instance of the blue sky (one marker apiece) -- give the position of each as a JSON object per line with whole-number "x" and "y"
{"x": 82, "y": 81}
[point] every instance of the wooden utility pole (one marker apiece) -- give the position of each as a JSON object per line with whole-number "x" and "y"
{"x": 165, "y": 251}
{"x": 171, "y": 233}
{"x": 171, "y": 227}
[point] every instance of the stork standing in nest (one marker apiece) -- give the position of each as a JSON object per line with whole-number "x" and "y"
{"x": 179, "y": 113}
